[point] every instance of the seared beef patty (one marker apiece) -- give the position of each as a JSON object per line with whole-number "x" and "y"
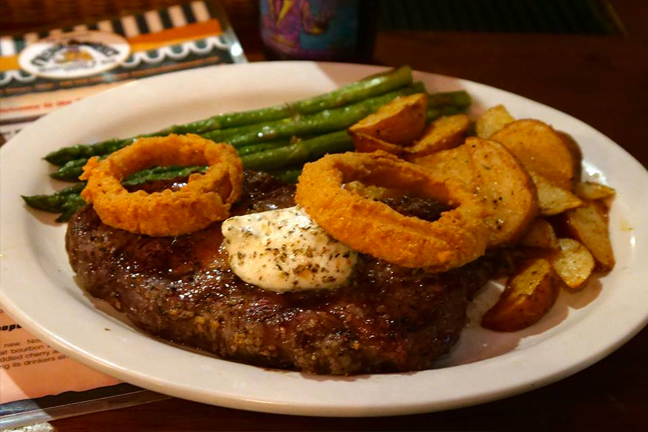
{"x": 388, "y": 318}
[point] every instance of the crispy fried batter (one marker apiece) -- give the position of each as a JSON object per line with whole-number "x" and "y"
{"x": 372, "y": 227}
{"x": 205, "y": 199}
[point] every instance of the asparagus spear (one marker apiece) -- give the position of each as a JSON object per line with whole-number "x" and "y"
{"x": 321, "y": 122}
{"x": 62, "y": 156}
{"x": 55, "y": 203}
{"x": 67, "y": 203}
{"x": 459, "y": 99}
{"x": 290, "y": 175}
{"x": 314, "y": 148}
{"x": 456, "y": 102}
{"x": 255, "y": 148}
{"x": 351, "y": 93}
{"x": 68, "y": 200}
{"x": 324, "y": 121}
{"x": 74, "y": 168}
{"x": 73, "y": 203}
{"x": 357, "y": 91}
{"x": 435, "y": 113}
{"x": 161, "y": 173}
{"x": 299, "y": 152}
{"x": 71, "y": 170}
{"x": 263, "y": 156}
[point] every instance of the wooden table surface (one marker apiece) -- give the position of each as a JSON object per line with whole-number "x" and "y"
{"x": 600, "y": 80}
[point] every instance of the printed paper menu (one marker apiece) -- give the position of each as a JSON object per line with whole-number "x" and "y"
{"x": 31, "y": 369}
{"x": 41, "y": 72}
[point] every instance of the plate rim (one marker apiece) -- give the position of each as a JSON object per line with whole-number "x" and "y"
{"x": 316, "y": 409}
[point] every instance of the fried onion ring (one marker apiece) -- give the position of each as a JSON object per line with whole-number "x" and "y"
{"x": 205, "y": 199}
{"x": 372, "y": 227}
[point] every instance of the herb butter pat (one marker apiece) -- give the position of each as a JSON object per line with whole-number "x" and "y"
{"x": 285, "y": 250}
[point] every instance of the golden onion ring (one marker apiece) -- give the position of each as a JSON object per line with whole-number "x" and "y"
{"x": 372, "y": 227}
{"x": 205, "y": 199}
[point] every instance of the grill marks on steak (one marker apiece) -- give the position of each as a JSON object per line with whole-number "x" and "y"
{"x": 388, "y": 319}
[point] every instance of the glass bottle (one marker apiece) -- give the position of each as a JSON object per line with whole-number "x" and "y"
{"x": 330, "y": 30}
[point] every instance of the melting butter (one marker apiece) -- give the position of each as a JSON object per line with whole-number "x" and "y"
{"x": 285, "y": 250}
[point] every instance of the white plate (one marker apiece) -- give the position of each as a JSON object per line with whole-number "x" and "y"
{"x": 40, "y": 292}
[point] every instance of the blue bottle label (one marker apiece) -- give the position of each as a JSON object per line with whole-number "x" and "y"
{"x": 310, "y": 29}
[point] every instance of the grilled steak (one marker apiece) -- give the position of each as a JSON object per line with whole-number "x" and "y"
{"x": 181, "y": 289}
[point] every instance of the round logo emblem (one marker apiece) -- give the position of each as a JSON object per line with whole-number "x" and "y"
{"x": 74, "y": 55}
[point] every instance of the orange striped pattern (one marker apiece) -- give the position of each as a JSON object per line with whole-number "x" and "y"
{"x": 150, "y": 41}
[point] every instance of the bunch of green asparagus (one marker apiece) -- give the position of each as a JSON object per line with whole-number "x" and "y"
{"x": 278, "y": 139}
